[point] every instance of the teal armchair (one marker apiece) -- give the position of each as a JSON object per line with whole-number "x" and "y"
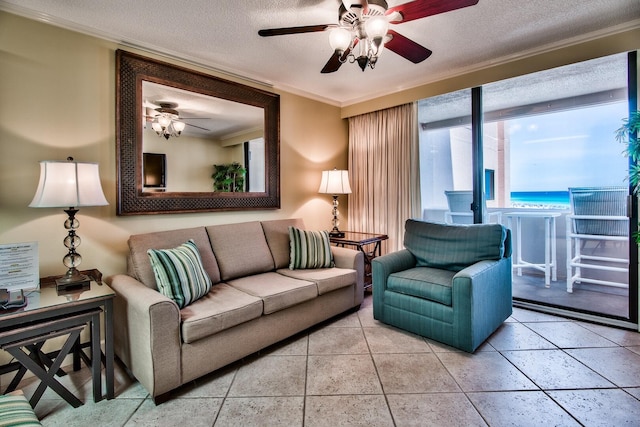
{"x": 451, "y": 283}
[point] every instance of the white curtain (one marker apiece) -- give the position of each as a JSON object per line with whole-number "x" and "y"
{"x": 384, "y": 172}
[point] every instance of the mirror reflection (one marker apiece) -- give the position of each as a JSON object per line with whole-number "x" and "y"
{"x": 237, "y": 128}
{"x": 193, "y": 142}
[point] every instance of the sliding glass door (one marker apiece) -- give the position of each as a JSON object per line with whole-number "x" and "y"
{"x": 552, "y": 172}
{"x": 446, "y": 171}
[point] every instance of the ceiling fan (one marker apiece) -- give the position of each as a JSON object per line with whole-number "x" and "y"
{"x": 364, "y": 24}
{"x": 166, "y": 120}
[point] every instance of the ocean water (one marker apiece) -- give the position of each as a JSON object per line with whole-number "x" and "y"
{"x": 552, "y": 198}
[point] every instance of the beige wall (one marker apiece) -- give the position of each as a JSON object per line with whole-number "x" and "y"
{"x": 57, "y": 99}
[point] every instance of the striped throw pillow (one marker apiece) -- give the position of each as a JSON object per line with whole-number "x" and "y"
{"x": 179, "y": 273}
{"x": 309, "y": 249}
{"x": 15, "y": 410}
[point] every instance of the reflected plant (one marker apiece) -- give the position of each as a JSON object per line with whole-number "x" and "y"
{"x": 229, "y": 177}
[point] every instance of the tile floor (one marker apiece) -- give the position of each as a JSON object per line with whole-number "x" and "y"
{"x": 536, "y": 369}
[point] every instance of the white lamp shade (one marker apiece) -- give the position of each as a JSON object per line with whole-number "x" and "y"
{"x": 335, "y": 182}
{"x": 68, "y": 184}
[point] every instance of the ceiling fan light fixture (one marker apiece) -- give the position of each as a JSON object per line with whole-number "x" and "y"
{"x": 363, "y": 61}
{"x": 167, "y": 125}
{"x": 178, "y": 126}
{"x": 376, "y": 28}
{"x": 340, "y": 39}
{"x": 164, "y": 121}
{"x": 368, "y": 22}
{"x": 377, "y": 7}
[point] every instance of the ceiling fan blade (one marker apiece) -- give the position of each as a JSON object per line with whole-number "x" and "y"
{"x": 294, "y": 30}
{"x": 407, "y": 48}
{"x": 194, "y": 126}
{"x": 334, "y": 63}
{"x": 422, "y": 8}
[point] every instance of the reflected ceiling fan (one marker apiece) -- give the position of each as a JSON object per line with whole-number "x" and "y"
{"x": 166, "y": 120}
{"x": 364, "y": 24}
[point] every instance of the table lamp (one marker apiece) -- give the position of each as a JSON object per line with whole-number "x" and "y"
{"x": 335, "y": 182}
{"x": 69, "y": 184}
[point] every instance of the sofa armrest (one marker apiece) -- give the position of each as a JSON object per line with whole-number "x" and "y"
{"x": 147, "y": 334}
{"x": 352, "y": 259}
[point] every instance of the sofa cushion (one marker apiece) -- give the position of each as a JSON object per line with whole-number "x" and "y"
{"x": 433, "y": 284}
{"x": 222, "y": 308}
{"x": 277, "y": 291}
{"x": 179, "y": 273}
{"x": 310, "y": 249}
{"x": 277, "y": 235}
{"x": 327, "y": 279}
{"x": 139, "y": 265}
{"x": 453, "y": 247}
{"x": 241, "y": 249}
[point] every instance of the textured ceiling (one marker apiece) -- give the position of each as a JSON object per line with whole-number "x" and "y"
{"x": 223, "y": 35}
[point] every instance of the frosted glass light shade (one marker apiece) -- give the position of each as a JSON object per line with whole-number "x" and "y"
{"x": 178, "y": 125}
{"x": 335, "y": 182}
{"x": 65, "y": 184}
{"x": 164, "y": 121}
{"x": 340, "y": 39}
{"x": 376, "y": 27}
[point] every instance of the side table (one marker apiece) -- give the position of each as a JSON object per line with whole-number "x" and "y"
{"x": 362, "y": 242}
{"x": 49, "y": 314}
{"x": 550, "y": 265}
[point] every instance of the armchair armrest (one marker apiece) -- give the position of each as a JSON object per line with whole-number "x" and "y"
{"x": 147, "y": 334}
{"x": 476, "y": 288}
{"x": 382, "y": 267}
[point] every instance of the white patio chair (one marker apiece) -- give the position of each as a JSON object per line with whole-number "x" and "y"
{"x": 598, "y": 215}
{"x": 460, "y": 209}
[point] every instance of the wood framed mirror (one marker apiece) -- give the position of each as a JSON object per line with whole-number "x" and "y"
{"x": 223, "y": 120}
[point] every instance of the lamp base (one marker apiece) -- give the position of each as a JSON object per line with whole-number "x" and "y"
{"x": 73, "y": 282}
{"x": 336, "y": 233}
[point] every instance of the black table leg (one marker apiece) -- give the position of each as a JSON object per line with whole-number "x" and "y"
{"x": 47, "y": 377}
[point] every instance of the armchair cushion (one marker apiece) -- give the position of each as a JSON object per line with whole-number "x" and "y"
{"x": 423, "y": 282}
{"x": 453, "y": 247}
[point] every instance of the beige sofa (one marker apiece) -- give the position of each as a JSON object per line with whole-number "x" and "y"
{"x": 256, "y": 301}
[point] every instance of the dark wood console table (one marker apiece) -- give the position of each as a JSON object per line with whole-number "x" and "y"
{"x": 363, "y": 242}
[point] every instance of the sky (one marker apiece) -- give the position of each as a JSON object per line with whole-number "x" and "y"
{"x": 575, "y": 148}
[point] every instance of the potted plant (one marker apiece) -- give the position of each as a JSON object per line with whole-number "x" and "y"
{"x": 229, "y": 177}
{"x": 628, "y": 134}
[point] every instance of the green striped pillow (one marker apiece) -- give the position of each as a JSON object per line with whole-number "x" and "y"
{"x": 179, "y": 273}
{"x": 309, "y": 249}
{"x": 15, "y": 410}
